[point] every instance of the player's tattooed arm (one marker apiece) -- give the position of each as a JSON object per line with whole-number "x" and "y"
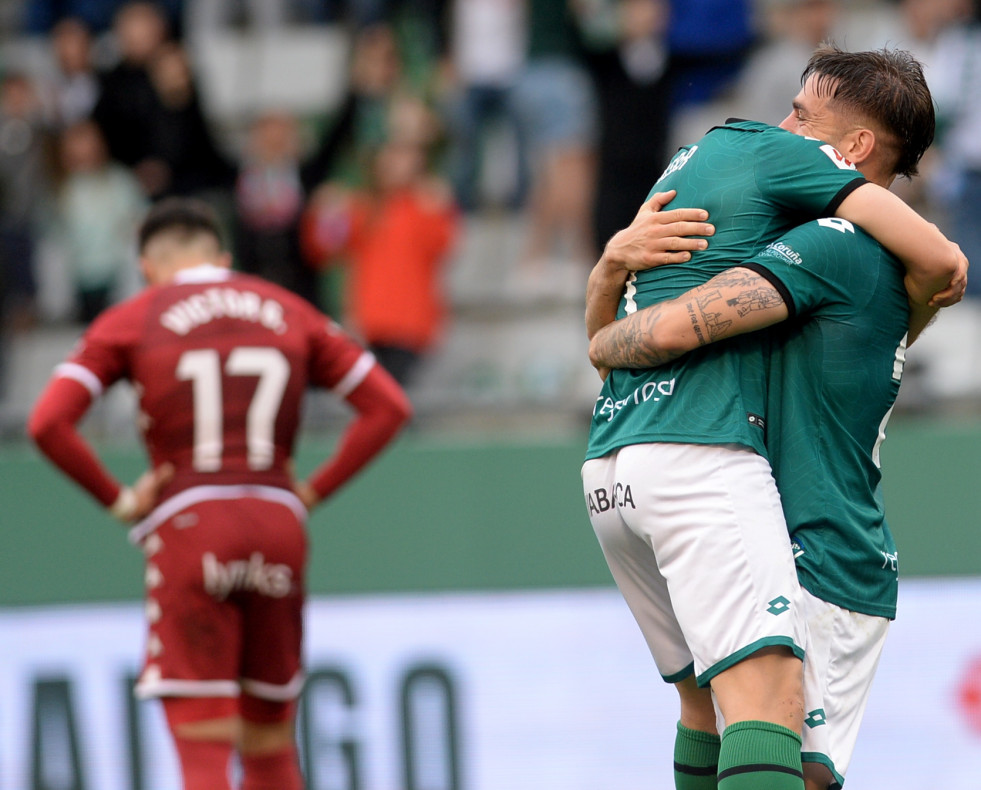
{"x": 732, "y": 303}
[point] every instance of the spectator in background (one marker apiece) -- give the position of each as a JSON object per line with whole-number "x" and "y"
{"x": 486, "y": 50}
{"x": 74, "y": 90}
{"x": 270, "y": 194}
{"x": 793, "y": 29}
{"x": 98, "y": 205}
{"x": 207, "y": 17}
{"x": 709, "y": 41}
{"x": 914, "y": 25}
{"x": 149, "y": 111}
{"x": 556, "y": 102}
{"x": 396, "y": 236}
{"x": 128, "y": 104}
{"x": 275, "y": 179}
{"x": 23, "y": 187}
{"x": 955, "y": 79}
{"x": 41, "y": 16}
{"x": 628, "y": 60}
{"x": 181, "y": 140}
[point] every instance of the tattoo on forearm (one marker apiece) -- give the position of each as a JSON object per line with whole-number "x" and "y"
{"x": 625, "y": 343}
{"x": 692, "y": 315}
{"x": 760, "y": 299}
{"x": 630, "y": 343}
{"x": 709, "y": 317}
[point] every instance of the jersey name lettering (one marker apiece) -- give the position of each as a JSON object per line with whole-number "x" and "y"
{"x": 679, "y": 162}
{"x": 213, "y": 303}
{"x": 601, "y": 500}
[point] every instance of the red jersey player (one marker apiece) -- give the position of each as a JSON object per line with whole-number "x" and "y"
{"x": 220, "y": 362}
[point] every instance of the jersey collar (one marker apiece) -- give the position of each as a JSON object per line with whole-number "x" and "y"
{"x": 205, "y": 273}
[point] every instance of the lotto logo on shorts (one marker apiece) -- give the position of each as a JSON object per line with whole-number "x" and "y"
{"x": 815, "y": 718}
{"x": 251, "y": 575}
{"x": 778, "y": 605}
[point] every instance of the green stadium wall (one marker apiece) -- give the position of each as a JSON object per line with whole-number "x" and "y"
{"x": 451, "y": 515}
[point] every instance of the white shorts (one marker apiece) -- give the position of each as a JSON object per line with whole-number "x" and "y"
{"x": 696, "y": 540}
{"x": 843, "y": 650}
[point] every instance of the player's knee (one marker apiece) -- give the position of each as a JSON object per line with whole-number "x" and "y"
{"x": 267, "y": 726}
{"x": 766, "y": 686}
{"x": 697, "y": 709}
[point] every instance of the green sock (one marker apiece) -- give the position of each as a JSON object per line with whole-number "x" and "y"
{"x": 757, "y": 754}
{"x": 696, "y": 759}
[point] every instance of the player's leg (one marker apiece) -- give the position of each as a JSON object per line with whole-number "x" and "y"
{"x": 713, "y": 518}
{"x": 272, "y": 635}
{"x": 192, "y": 650}
{"x": 762, "y": 702}
{"x": 268, "y": 746}
{"x": 843, "y": 654}
{"x": 696, "y": 743}
{"x": 204, "y": 731}
{"x": 634, "y": 568}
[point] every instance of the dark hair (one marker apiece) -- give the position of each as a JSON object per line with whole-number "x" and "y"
{"x": 884, "y": 86}
{"x": 184, "y": 217}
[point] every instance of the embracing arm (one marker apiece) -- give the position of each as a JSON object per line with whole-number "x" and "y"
{"x": 732, "y": 303}
{"x": 936, "y": 269}
{"x": 653, "y": 238}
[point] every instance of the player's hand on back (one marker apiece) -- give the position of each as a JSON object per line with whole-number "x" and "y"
{"x": 657, "y": 237}
{"x": 307, "y": 495}
{"x": 954, "y": 291}
{"x": 135, "y": 502}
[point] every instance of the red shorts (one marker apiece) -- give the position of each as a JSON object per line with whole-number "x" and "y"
{"x": 225, "y": 593}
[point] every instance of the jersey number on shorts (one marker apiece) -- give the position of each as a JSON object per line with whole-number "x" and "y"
{"x": 202, "y": 367}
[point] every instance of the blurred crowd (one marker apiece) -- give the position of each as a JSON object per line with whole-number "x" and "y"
{"x": 561, "y": 112}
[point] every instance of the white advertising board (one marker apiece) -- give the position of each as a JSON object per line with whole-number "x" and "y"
{"x": 503, "y": 691}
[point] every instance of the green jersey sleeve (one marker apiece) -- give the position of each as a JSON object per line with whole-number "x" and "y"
{"x": 828, "y": 264}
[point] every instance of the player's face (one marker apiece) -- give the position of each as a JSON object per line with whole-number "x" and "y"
{"x": 812, "y": 117}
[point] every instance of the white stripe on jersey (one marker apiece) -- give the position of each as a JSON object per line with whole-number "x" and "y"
{"x": 269, "y": 691}
{"x": 361, "y": 367}
{"x": 192, "y": 496}
{"x": 629, "y": 294}
{"x": 81, "y": 374}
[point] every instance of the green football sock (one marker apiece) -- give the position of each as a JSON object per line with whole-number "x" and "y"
{"x": 696, "y": 759}
{"x": 758, "y": 754}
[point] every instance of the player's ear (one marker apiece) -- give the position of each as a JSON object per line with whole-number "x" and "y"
{"x": 858, "y": 145}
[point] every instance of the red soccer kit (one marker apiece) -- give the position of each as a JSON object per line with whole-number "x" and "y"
{"x": 220, "y": 363}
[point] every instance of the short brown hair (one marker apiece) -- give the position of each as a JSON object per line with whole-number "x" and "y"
{"x": 186, "y": 217}
{"x": 884, "y": 86}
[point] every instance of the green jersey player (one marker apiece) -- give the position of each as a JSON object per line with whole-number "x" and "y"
{"x": 834, "y": 372}
{"x": 645, "y": 446}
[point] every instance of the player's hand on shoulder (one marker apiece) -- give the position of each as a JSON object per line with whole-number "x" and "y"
{"x": 657, "y": 237}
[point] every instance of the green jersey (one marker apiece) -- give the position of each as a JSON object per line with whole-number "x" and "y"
{"x": 834, "y": 372}
{"x": 757, "y": 182}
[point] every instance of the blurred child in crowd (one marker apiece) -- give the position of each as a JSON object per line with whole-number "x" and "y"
{"x": 97, "y": 208}
{"x": 396, "y": 236}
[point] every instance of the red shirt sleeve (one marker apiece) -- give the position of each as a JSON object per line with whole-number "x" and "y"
{"x": 351, "y": 373}
{"x": 97, "y": 361}
{"x": 52, "y": 427}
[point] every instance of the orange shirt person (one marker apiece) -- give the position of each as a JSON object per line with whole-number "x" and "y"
{"x": 397, "y": 238}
